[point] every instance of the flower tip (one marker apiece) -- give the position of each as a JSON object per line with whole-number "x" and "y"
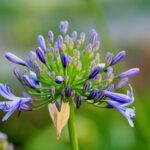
{"x": 50, "y": 36}
{"x": 64, "y": 26}
{"x": 59, "y": 79}
{"x": 41, "y": 43}
{"x": 40, "y": 54}
{"x": 59, "y": 42}
{"x": 13, "y": 58}
{"x": 65, "y": 60}
{"x": 129, "y": 73}
{"x": 118, "y": 57}
{"x": 95, "y": 72}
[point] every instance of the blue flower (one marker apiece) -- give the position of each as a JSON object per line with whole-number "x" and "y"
{"x": 74, "y": 61}
{"x": 122, "y": 98}
{"x": 95, "y": 72}
{"x": 59, "y": 42}
{"x": 65, "y": 60}
{"x": 128, "y": 113}
{"x": 17, "y": 73}
{"x": 59, "y": 79}
{"x": 122, "y": 83}
{"x": 28, "y": 82}
{"x": 86, "y": 86}
{"x": 30, "y": 59}
{"x": 40, "y": 54}
{"x": 93, "y": 36}
{"x": 50, "y": 38}
{"x": 129, "y": 73}
{"x": 93, "y": 94}
{"x": 41, "y": 43}
{"x": 82, "y": 37}
{"x": 13, "y": 58}
{"x": 78, "y": 101}
{"x": 63, "y": 26}
{"x": 118, "y": 57}
{"x": 33, "y": 78}
{"x": 13, "y": 103}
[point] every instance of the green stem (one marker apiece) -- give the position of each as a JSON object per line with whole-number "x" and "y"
{"x": 71, "y": 127}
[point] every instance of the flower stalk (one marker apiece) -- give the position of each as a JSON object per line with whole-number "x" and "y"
{"x": 72, "y": 129}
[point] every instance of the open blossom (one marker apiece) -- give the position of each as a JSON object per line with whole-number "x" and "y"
{"x": 69, "y": 70}
{"x": 14, "y": 103}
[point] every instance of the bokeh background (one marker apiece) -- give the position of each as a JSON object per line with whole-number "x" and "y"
{"x": 121, "y": 24}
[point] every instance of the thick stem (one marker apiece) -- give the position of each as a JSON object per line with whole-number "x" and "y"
{"x": 71, "y": 127}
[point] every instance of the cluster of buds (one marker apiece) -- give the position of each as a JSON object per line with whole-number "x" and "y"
{"x": 68, "y": 68}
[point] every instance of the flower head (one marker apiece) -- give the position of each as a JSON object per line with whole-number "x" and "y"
{"x": 70, "y": 70}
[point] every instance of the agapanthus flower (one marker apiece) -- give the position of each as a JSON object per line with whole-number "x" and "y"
{"x": 13, "y": 103}
{"x": 69, "y": 70}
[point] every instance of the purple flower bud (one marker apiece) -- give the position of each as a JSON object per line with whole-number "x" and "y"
{"x": 28, "y": 82}
{"x": 121, "y": 98}
{"x": 72, "y": 94}
{"x": 100, "y": 95}
{"x": 13, "y": 58}
{"x": 86, "y": 86}
{"x": 96, "y": 46}
{"x": 52, "y": 90}
{"x": 89, "y": 47}
{"x": 93, "y": 36}
{"x": 74, "y": 35}
{"x": 63, "y": 26}
{"x": 67, "y": 37}
{"x": 59, "y": 79}
{"x": 25, "y": 71}
{"x": 118, "y": 57}
{"x": 64, "y": 60}
{"x": 41, "y": 43}
{"x": 95, "y": 72}
{"x": 40, "y": 54}
{"x": 38, "y": 70}
{"x": 110, "y": 87}
{"x": 129, "y": 73}
{"x": 17, "y": 73}
{"x": 109, "y": 58}
{"x": 122, "y": 83}
{"x": 59, "y": 42}
{"x": 109, "y": 69}
{"x": 82, "y": 37}
{"x": 50, "y": 37}
{"x": 68, "y": 91}
{"x": 93, "y": 94}
{"x": 78, "y": 101}
{"x": 30, "y": 59}
{"x": 33, "y": 78}
{"x": 78, "y": 44}
{"x": 71, "y": 43}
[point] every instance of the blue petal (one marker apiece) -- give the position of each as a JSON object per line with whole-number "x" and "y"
{"x": 10, "y": 112}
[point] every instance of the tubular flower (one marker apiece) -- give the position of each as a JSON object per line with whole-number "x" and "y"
{"x": 69, "y": 70}
{"x": 14, "y": 103}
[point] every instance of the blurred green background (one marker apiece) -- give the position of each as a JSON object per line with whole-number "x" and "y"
{"x": 121, "y": 24}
